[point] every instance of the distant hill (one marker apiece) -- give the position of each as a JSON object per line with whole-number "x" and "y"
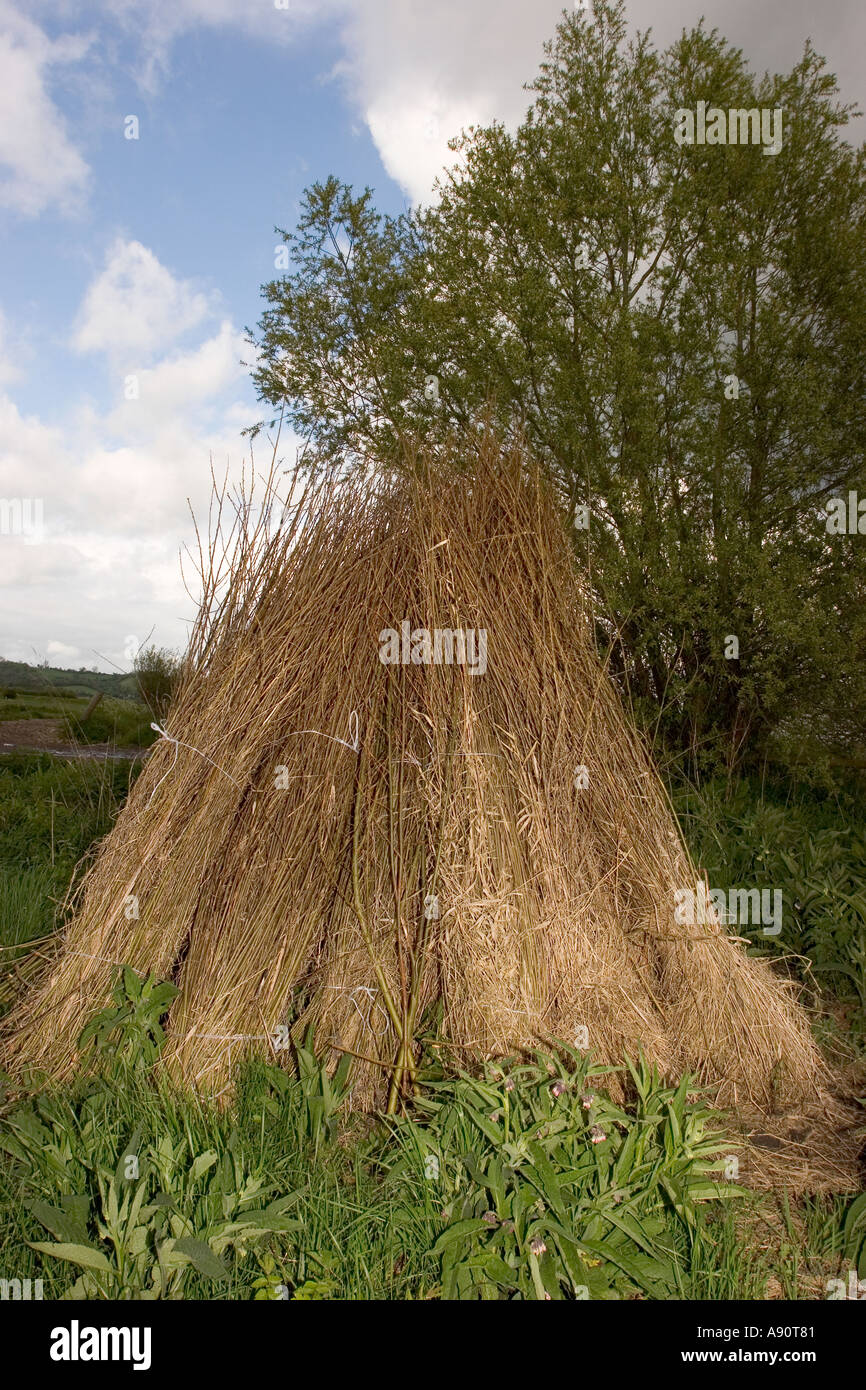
{"x": 25, "y": 677}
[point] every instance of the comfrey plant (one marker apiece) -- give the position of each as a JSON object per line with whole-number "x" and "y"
{"x": 129, "y": 1030}
{"x": 138, "y": 1227}
{"x": 548, "y": 1190}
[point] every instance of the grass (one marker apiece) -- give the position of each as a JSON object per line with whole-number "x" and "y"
{"x": 26, "y": 904}
{"x": 288, "y": 1194}
{"x": 366, "y": 1218}
{"x": 123, "y": 723}
{"x": 267, "y": 1204}
{"x": 20, "y": 675}
{"x": 51, "y": 812}
{"x": 812, "y": 848}
{"x": 48, "y": 704}
{"x": 355, "y": 1237}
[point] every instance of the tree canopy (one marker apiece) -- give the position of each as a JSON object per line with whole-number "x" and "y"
{"x": 677, "y": 329}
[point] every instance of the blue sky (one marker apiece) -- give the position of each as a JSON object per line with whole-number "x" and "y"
{"x": 145, "y": 257}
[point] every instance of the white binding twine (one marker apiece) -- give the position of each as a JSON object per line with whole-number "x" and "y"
{"x": 354, "y": 747}
{"x": 179, "y": 743}
{"x": 374, "y": 1004}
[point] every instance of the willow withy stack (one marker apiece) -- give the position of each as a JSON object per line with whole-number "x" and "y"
{"x": 331, "y": 834}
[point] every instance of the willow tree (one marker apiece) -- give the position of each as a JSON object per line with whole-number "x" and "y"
{"x": 677, "y": 328}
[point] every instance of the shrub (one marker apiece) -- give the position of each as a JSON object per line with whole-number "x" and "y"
{"x": 119, "y": 722}
{"x": 157, "y": 671}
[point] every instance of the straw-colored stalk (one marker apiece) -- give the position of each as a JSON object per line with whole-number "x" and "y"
{"x": 299, "y": 895}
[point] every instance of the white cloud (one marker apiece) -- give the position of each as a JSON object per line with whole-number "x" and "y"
{"x": 413, "y": 65}
{"x": 39, "y": 164}
{"x": 136, "y": 306}
{"x": 61, "y": 653}
{"x": 115, "y": 485}
{"x": 421, "y": 72}
{"x": 157, "y": 24}
{"x": 115, "y": 521}
{"x": 183, "y": 384}
{"x": 10, "y": 369}
{"x": 418, "y": 70}
{"x": 26, "y": 444}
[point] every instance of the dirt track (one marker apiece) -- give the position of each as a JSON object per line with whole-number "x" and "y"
{"x": 44, "y": 736}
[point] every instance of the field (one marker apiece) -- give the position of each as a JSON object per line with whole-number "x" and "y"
{"x": 60, "y": 712}
{"x": 288, "y": 1194}
{"x": 45, "y": 679}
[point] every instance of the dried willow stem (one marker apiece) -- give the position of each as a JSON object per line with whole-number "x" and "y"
{"x": 300, "y": 896}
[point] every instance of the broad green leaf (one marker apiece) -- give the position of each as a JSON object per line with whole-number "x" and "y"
{"x": 86, "y": 1255}
{"x": 461, "y": 1230}
{"x": 201, "y": 1255}
{"x": 64, "y": 1225}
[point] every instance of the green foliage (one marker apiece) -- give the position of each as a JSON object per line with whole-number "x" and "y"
{"x": 315, "y": 1291}
{"x": 853, "y": 1235}
{"x": 324, "y": 1095}
{"x": 814, "y": 851}
{"x": 369, "y": 1221}
{"x": 44, "y": 704}
{"x": 551, "y": 1191}
{"x": 129, "y": 1032}
{"x": 269, "y": 1283}
{"x": 157, "y": 672}
{"x": 26, "y": 907}
{"x": 44, "y": 680}
{"x": 702, "y": 263}
{"x": 136, "y": 1229}
{"x": 833, "y": 1230}
{"x": 634, "y": 1214}
{"x": 50, "y": 813}
{"x": 123, "y": 723}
